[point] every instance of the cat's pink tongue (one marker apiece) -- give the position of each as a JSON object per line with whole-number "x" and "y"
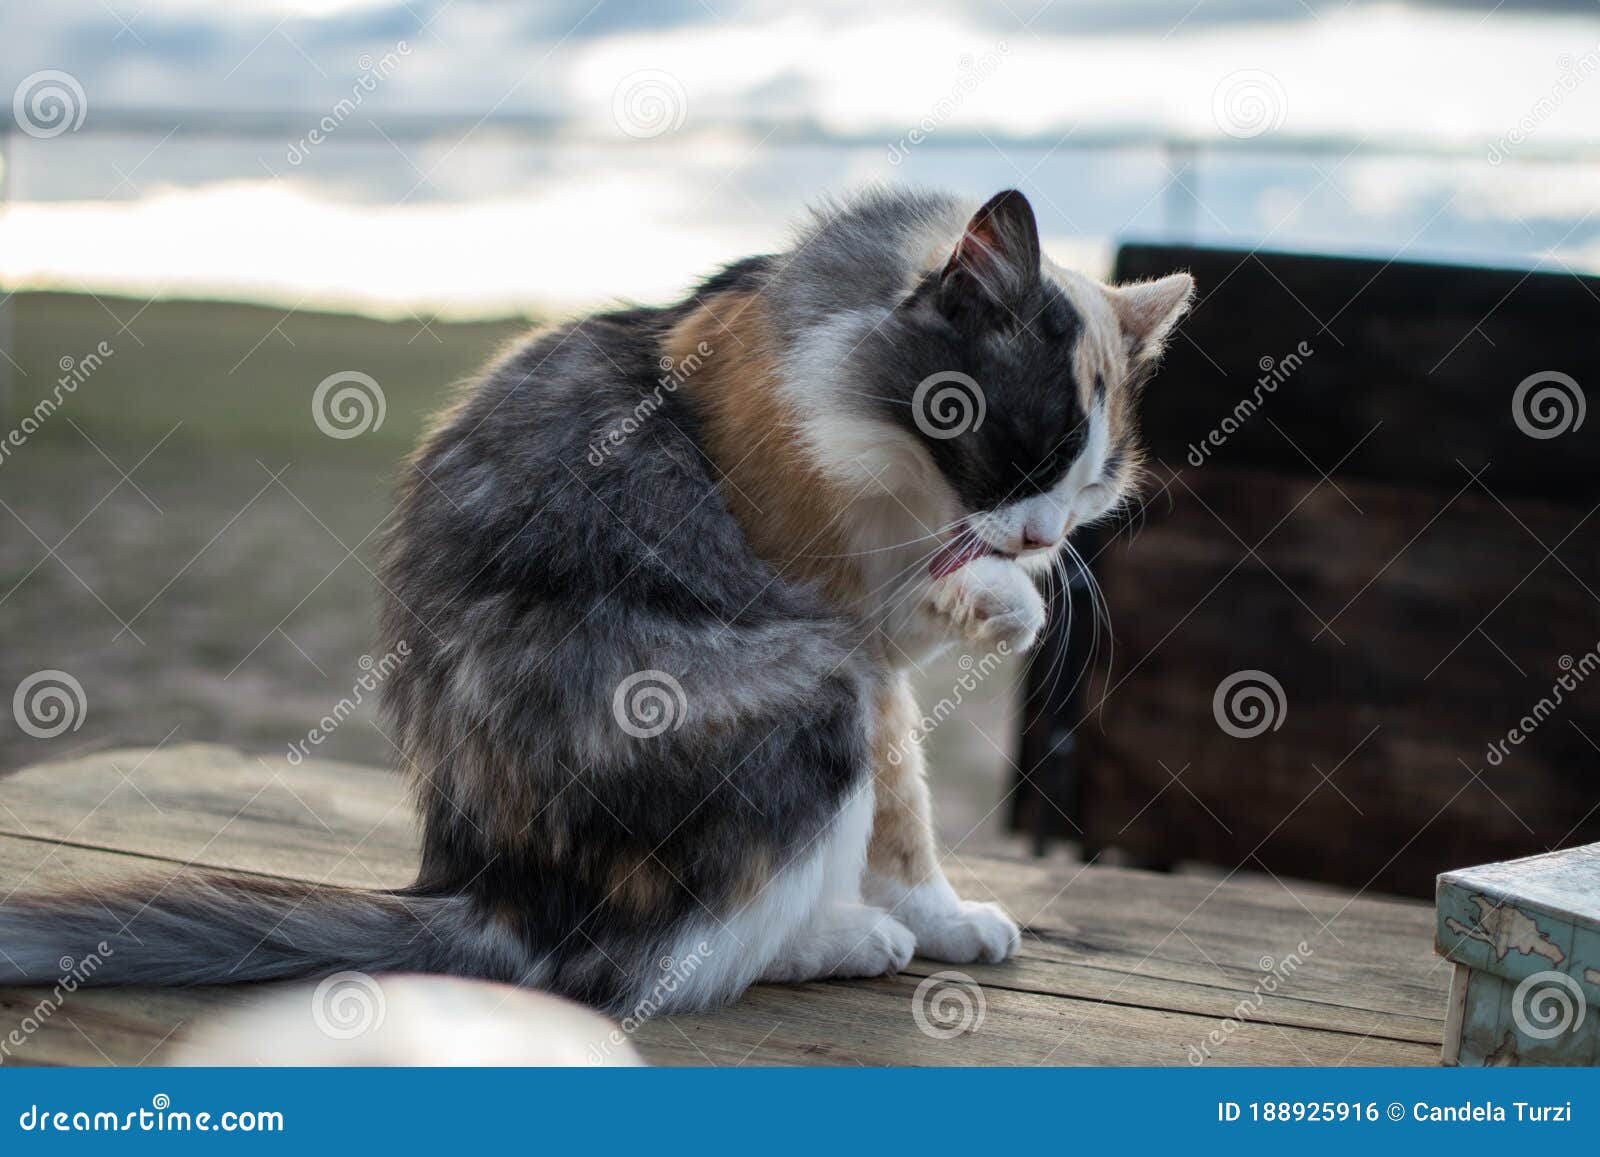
{"x": 957, "y": 553}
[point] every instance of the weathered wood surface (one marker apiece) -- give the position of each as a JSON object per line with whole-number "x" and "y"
{"x": 1117, "y": 967}
{"x": 1430, "y": 354}
{"x": 1398, "y": 700}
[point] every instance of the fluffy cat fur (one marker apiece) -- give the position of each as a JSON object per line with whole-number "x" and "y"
{"x": 731, "y": 507}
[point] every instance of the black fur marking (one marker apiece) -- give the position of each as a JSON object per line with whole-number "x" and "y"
{"x": 1034, "y": 425}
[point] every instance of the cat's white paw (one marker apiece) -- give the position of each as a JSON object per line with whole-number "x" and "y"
{"x": 992, "y": 600}
{"x": 947, "y": 927}
{"x": 845, "y": 941}
{"x": 972, "y": 932}
{"x": 885, "y": 950}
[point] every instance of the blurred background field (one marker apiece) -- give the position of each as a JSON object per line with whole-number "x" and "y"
{"x": 261, "y": 615}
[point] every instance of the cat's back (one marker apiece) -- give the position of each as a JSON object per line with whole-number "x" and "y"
{"x": 572, "y": 473}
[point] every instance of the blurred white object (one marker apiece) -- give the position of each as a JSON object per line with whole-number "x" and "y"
{"x": 353, "y": 1019}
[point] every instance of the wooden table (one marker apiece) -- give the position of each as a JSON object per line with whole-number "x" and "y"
{"x": 1117, "y": 967}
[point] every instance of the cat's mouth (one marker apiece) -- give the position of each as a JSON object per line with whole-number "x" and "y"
{"x": 963, "y": 547}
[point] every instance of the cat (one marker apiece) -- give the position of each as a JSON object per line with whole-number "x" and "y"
{"x": 661, "y": 575}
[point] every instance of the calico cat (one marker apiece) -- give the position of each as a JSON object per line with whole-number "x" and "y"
{"x": 661, "y": 574}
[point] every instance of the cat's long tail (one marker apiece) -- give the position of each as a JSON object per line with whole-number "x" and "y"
{"x": 217, "y": 929}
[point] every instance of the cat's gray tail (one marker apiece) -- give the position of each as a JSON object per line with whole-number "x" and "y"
{"x": 216, "y": 929}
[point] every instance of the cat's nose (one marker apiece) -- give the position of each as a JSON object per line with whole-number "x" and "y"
{"x": 1033, "y": 538}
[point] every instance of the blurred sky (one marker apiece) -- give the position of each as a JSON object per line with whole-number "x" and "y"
{"x": 492, "y": 156}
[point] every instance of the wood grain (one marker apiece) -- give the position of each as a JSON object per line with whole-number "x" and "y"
{"x": 1397, "y": 702}
{"x": 1117, "y": 967}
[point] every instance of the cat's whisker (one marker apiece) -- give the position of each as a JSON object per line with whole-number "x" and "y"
{"x": 932, "y": 534}
{"x": 1063, "y": 653}
{"x": 1059, "y": 594}
{"x": 1104, "y": 612}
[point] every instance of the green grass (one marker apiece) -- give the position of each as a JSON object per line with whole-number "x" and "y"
{"x": 236, "y": 375}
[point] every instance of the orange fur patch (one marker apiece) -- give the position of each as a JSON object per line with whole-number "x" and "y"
{"x": 791, "y": 514}
{"x": 902, "y": 824}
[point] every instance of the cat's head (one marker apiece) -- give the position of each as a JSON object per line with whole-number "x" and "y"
{"x": 1013, "y": 383}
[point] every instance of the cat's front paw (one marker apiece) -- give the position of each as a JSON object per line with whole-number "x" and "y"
{"x": 970, "y": 932}
{"x": 884, "y": 951}
{"x": 851, "y": 940}
{"x": 992, "y": 600}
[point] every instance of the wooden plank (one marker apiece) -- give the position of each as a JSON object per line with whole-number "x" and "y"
{"x": 1400, "y": 709}
{"x": 1433, "y": 352}
{"x": 845, "y": 1022}
{"x": 1117, "y": 966}
{"x": 1132, "y": 951}
{"x": 854, "y": 1022}
{"x": 1190, "y": 944}
{"x": 871, "y": 1023}
{"x": 214, "y": 807}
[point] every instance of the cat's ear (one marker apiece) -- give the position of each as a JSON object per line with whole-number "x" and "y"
{"x": 996, "y": 260}
{"x": 1147, "y": 311}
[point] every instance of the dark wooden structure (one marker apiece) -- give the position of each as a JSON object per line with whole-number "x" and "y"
{"x": 1375, "y": 483}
